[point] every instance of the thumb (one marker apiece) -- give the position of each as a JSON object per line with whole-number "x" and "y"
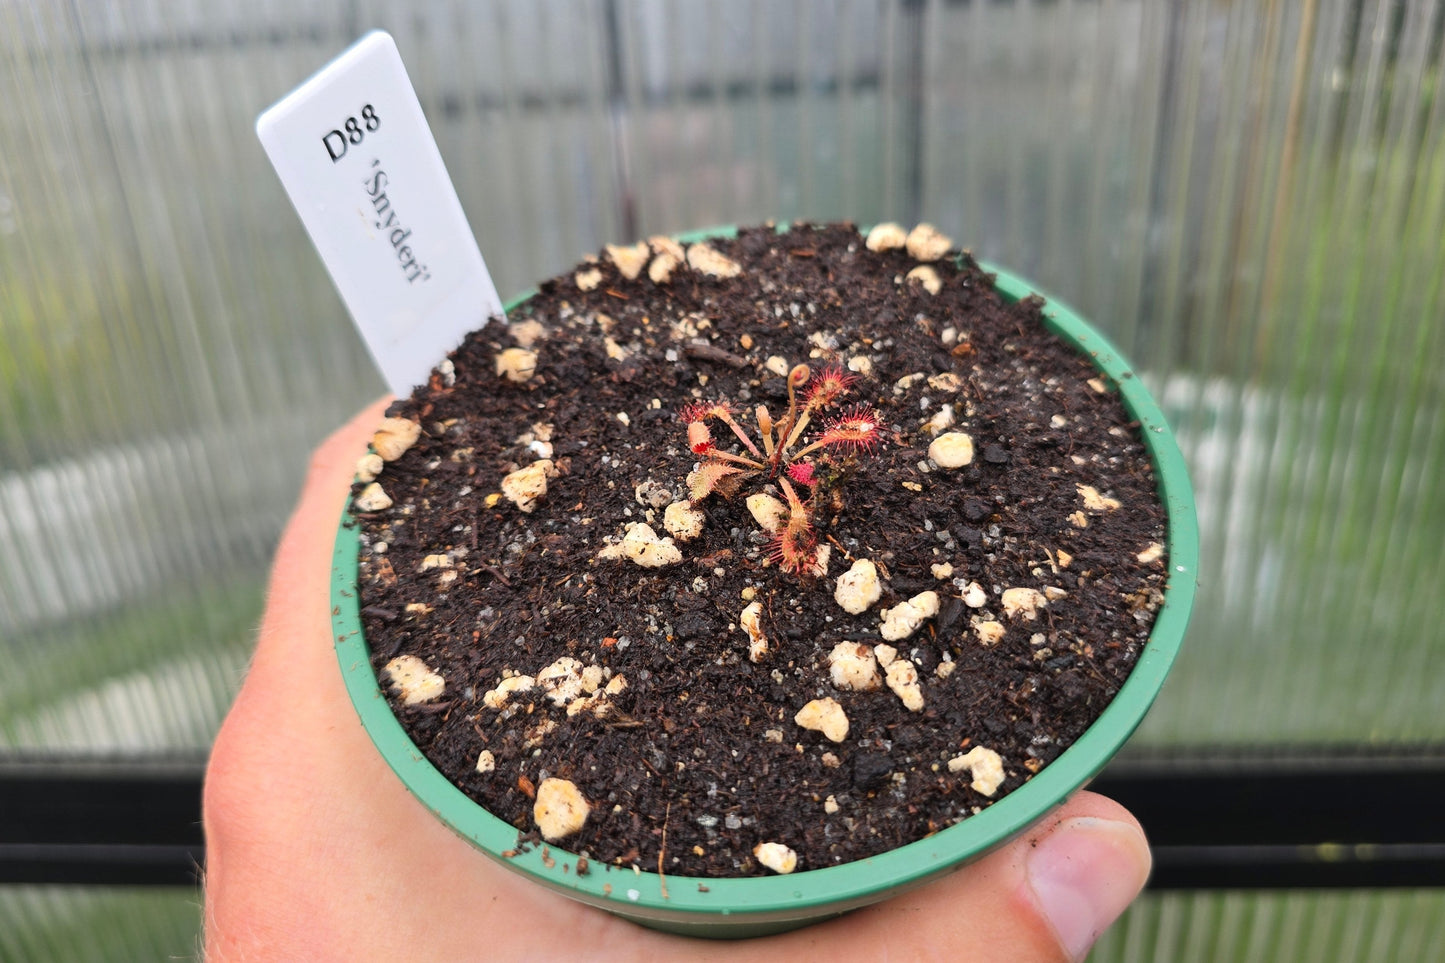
{"x": 1047, "y": 895}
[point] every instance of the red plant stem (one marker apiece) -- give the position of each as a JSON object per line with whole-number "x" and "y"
{"x": 742, "y": 435}
{"x": 738, "y": 459}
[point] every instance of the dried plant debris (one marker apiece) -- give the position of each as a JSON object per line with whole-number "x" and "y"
{"x": 661, "y": 593}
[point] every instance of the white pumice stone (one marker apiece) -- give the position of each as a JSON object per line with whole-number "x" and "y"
{"x": 486, "y": 762}
{"x": 952, "y": 449}
{"x": 1079, "y": 520}
{"x": 989, "y": 632}
{"x": 525, "y": 486}
{"x": 887, "y": 236}
{"x": 885, "y": 654}
{"x": 825, "y": 716}
{"x": 562, "y": 680}
{"x": 517, "y": 365}
{"x": 1152, "y": 553}
{"x": 902, "y": 678}
{"x": 368, "y": 467}
{"x": 861, "y": 364}
{"x": 560, "y": 809}
{"x": 1023, "y": 603}
{"x": 778, "y": 365}
{"x": 592, "y": 678}
{"x": 615, "y": 685}
{"x": 926, "y": 243}
{"x": 830, "y": 805}
{"x": 927, "y": 277}
{"x": 903, "y": 619}
{"x": 588, "y": 278}
{"x": 682, "y": 521}
{"x": 769, "y": 512}
{"x": 984, "y": 766}
{"x": 1095, "y": 502}
{"x": 706, "y": 260}
{"x": 752, "y": 622}
{"x": 853, "y": 667}
{"x": 941, "y": 570}
{"x": 372, "y": 499}
{"x": 498, "y": 697}
{"x": 630, "y": 259}
{"x": 394, "y": 436}
{"x": 414, "y": 680}
{"x": 858, "y": 588}
{"x": 776, "y": 856}
{"x": 974, "y": 596}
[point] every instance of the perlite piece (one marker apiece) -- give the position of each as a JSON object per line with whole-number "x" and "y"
{"x": 394, "y": 436}
{"x": 887, "y": 236}
{"x": 1023, "y": 603}
{"x": 668, "y": 256}
{"x": 903, "y": 619}
{"x": 926, "y": 243}
{"x": 368, "y": 467}
{"x": 706, "y": 260}
{"x": 927, "y": 277}
{"x": 525, "y": 486}
{"x": 952, "y": 449}
{"x": 903, "y": 680}
{"x": 776, "y": 856}
{"x": 588, "y": 278}
{"x": 1095, "y": 502}
{"x": 560, "y": 809}
{"x": 853, "y": 667}
{"x": 516, "y": 365}
{"x": 770, "y": 513}
{"x": 984, "y": 766}
{"x": 682, "y": 521}
{"x": 498, "y": 697}
{"x": 858, "y": 588}
{"x": 752, "y": 622}
{"x": 413, "y": 680}
{"x": 989, "y": 632}
{"x": 644, "y": 548}
{"x": 372, "y": 499}
{"x": 629, "y": 259}
{"x": 825, "y": 716}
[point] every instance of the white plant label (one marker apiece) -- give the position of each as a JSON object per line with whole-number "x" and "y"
{"x": 360, "y": 165}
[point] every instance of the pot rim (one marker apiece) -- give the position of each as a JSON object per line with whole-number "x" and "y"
{"x": 814, "y": 893}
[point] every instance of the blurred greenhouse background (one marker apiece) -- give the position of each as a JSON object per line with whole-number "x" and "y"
{"x": 1247, "y": 195}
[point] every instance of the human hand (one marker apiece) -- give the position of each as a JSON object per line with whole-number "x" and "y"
{"x": 315, "y": 851}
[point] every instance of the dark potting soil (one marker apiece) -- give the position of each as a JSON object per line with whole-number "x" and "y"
{"x": 698, "y": 759}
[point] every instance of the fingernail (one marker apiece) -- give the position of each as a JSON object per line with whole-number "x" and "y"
{"x": 1084, "y": 874}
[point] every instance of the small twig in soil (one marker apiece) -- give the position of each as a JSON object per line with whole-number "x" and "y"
{"x": 702, "y": 351}
{"x": 494, "y": 573}
{"x": 618, "y": 295}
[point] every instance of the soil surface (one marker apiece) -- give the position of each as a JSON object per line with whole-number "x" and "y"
{"x": 698, "y": 758}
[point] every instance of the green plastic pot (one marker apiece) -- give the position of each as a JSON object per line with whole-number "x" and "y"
{"x": 734, "y": 908}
